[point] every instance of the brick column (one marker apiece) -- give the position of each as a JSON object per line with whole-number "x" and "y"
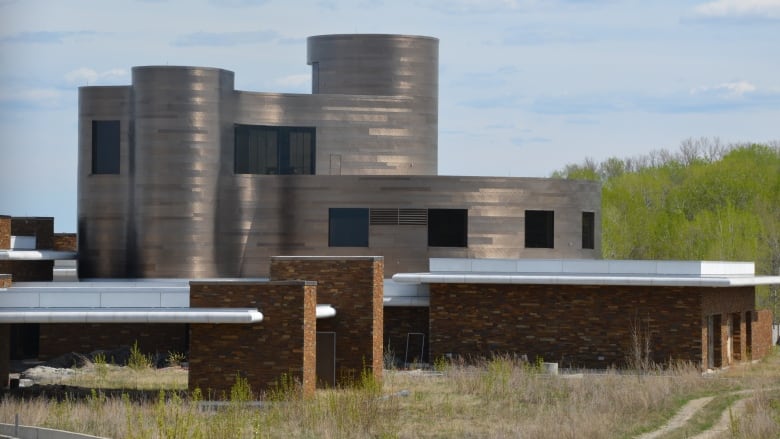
{"x": 283, "y": 343}
{"x": 353, "y": 285}
{"x": 5, "y": 232}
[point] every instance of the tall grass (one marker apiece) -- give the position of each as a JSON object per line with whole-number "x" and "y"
{"x": 501, "y": 397}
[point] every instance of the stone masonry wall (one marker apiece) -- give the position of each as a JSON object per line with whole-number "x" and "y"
{"x": 587, "y": 326}
{"x": 5, "y": 232}
{"x": 400, "y": 321}
{"x": 65, "y": 242}
{"x": 284, "y": 343}
{"x": 354, "y": 287}
{"x": 5, "y": 280}
{"x": 762, "y": 334}
{"x": 60, "y": 338}
{"x": 40, "y": 227}
{"x": 726, "y": 302}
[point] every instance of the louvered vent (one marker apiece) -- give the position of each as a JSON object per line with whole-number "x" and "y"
{"x": 413, "y": 217}
{"x": 384, "y": 217}
{"x": 394, "y": 217}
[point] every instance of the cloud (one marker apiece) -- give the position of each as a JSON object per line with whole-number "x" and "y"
{"x": 739, "y": 10}
{"x": 31, "y": 98}
{"x": 476, "y": 6}
{"x": 725, "y": 97}
{"x": 45, "y": 37}
{"x": 88, "y": 76}
{"x": 735, "y": 89}
{"x": 295, "y": 81}
{"x": 225, "y": 38}
{"x": 238, "y": 3}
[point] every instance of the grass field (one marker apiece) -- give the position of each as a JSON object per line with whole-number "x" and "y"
{"x": 497, "y": 398}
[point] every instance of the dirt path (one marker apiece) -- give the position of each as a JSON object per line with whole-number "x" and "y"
{"x": 724, "y": 423}
{"x": 680, "y": 418}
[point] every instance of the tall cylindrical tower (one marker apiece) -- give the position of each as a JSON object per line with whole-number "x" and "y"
{"x": 180, "y": 121}
{"x": 403, "y": 67}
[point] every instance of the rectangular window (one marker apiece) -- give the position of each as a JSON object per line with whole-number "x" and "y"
{"x": 105, "y": 147}
{"x": 448, "y": 227}
{"x": 274, "y": 150}
{"x": 588, "y": 230}
{"x": 348, "y": 227}
{"x": 539, "y": 228}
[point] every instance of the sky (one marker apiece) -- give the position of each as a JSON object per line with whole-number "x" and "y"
{"x": 525, "y": 86}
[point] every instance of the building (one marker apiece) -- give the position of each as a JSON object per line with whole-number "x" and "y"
{"x": 180, "y": 175}
{"x": 228, "y": 220}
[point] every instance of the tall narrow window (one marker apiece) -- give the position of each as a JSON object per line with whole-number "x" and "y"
{"x": 448, "y": 227}
{"x": 105, "y": 147}
{"x": 588, "y": 230}
{"x": 348, "y": 227}
{"x": 539, "y": 228}
{"x": 274, "y": 150}
{"x": 315, "y": 78}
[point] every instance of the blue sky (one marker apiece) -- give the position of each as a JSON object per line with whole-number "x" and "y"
{"x": 526, "y": 86}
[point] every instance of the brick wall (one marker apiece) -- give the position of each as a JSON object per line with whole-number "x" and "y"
{"x": 40, "y": 227}
{"x": 761, "y": 334}
{"x": 5, "y": 353}
{"x": 400, "y": 321}
{"x": 727, "y": 302}
{"x": 586, "y": 326}
{"x": 28, "y": 271}
{"x": 354, "y": 286}
{"x": 5, "y": 280}
{"x": 283, "y": 343}
{"x": 60, "y": 338}
{"x": 65, "y": 242}
{"x": 5, "y": 232}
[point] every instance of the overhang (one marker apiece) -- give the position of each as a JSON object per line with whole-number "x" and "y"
{"x": 130, "y": 315}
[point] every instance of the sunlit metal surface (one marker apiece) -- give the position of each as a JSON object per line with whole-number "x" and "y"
{"x": 177, "y": 209}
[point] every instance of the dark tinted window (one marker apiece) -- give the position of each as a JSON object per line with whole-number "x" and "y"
{"x": 448, "y": 227}
{"x": 539, "y": 228}
{"x": 105, "y": 147}
{"x": 348, "y": 227}
{"x": 274, "y": 150}
{"x": 588, "y": 230}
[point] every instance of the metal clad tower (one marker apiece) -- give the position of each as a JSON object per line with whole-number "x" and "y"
{"x": 178, "y": 133}
{"x": 403, "y": 66}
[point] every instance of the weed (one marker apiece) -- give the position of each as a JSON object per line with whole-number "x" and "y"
{"x": 138, "y": 361}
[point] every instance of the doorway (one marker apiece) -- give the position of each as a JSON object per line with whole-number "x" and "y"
{"x": 326, "y": 359}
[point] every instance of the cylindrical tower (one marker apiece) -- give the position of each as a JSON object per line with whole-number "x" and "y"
{"x": 404, "y": 67}
{"x": 179, "y": 126}
{"x": 103, "y": 180}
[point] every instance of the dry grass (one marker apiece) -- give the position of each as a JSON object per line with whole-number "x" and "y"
{"x": 498, "y": 398}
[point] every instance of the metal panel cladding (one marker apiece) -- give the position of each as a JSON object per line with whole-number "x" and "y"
{"x": 102, "y": 198}
{"x": 181, "y": 118}
{"x": 402, "y": 66}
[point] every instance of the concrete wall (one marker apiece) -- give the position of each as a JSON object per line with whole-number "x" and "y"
{"x": 352, "y": 285}
{"x": 284, "y": 343}
{"x": 586, "y": 326}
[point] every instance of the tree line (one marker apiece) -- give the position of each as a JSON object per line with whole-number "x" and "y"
{"x": 705, "y": 201}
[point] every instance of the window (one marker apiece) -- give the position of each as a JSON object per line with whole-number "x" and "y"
{"x": 315, "y": 77}
{"x": 539, "y": 229}
{"x": 348, "y": 227}
{"x": 448, "y": 227}
{"x": 274, "y": 150}
{"x": 588, "y": 229}
{"x": 105, "y": 147}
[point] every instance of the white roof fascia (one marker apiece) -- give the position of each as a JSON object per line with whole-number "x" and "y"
{"x": 130, "y": 315}
{"x": 548, "y": 279}
{"x": 36, "y": 255}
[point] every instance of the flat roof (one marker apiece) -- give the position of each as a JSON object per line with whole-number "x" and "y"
{"x": 589, "y": 272}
